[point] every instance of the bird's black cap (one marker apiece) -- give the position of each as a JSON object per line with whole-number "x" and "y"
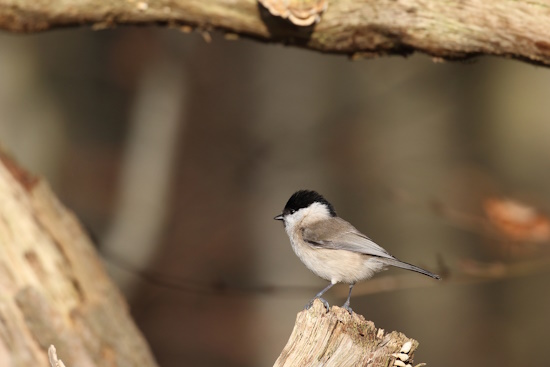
{"x": 304, "y": 198}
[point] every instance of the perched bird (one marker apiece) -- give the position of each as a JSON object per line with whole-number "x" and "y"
{"x": 331, "y": 247}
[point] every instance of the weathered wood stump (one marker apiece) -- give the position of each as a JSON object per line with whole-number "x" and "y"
{"x": 338, "y": 339}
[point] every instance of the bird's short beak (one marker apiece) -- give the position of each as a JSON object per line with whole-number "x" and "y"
{"x": 279, "y": 217}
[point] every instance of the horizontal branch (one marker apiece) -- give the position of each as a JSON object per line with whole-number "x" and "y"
{"x": 443, "y": 29}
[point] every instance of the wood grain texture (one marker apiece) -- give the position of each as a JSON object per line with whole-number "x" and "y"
{"x": 444, "y": 29}
{"x": 336, "y": 338}
{"x": 53, "y": 288}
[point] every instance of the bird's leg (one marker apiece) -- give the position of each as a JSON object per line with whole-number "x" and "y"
{"x": 346, "y": 305}
{"x": 318, "y": 296}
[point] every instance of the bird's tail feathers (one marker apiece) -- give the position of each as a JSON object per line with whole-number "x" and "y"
{"x": 407, "y": 266}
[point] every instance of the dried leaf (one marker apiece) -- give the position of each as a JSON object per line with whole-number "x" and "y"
{"x": 517, "y": 221}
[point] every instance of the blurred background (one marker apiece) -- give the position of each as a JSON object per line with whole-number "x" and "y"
{"x": 176, "y": 151}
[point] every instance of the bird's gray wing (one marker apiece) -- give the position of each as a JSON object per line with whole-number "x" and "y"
{"x": 337, "y": 234}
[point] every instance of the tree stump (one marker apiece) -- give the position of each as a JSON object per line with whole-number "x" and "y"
{"x": 338, "y": 339}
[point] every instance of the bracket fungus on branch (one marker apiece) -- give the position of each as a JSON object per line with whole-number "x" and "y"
{"x": 299, "y": 12}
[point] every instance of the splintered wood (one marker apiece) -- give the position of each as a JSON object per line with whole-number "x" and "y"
{"x": 336, "y": 338}
{"x": 52, "y": 356}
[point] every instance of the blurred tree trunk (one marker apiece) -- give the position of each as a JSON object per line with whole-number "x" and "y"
{"x": 53, "y": 289}
{"x": 204, "y": 239}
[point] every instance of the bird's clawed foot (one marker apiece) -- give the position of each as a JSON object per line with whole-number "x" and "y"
{"x": 347, "y": 307}
{"x": 325, "y": 303}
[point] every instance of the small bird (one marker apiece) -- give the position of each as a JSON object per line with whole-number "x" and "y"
{"x": 332, "y": 248}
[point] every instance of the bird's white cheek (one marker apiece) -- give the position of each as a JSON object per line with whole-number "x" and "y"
{"x": 290, "y": 224}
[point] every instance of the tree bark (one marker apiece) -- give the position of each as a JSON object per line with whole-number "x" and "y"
{"x": 53, "y": 288}
{"x": 336, "y": 338}
{"x": 442, "y": 29}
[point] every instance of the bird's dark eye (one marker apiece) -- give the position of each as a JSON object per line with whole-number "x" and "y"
{"x": 288, "y": 211}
